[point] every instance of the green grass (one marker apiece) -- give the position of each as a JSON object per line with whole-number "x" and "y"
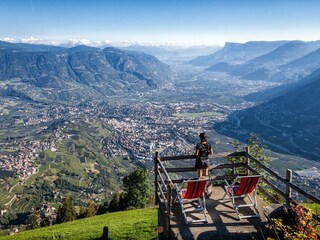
{"x": 133, "y": 224}
{"x": 314, "y": 207}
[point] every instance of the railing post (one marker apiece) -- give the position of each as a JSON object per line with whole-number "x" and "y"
{"x": 247, "y": 160}
{"x": 288, "y": 188}
{"x": 169, "y": 188}
{"x": 156, "y": 199}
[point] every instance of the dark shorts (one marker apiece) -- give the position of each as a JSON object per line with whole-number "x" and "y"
{"x": 204, "y": 163}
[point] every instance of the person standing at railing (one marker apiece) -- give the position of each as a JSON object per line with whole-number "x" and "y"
{"x": 203, "y": 151}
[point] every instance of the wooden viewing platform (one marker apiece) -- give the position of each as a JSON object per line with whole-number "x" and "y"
{"x": 223, "y": 222}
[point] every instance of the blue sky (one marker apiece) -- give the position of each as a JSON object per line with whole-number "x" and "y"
{"x": 176, "y": 21}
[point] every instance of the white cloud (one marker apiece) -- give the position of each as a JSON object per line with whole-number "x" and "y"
{"x": 83, "y": 41}
{"x": 102, "y": 43}
{"x": 31, "y": 40}
{"x": 12, "y": 40}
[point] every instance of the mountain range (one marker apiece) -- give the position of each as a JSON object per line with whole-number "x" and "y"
{"x": 81, "y": 72}
{"x": 237, "y": 53}
{"x": 286, "y": 62}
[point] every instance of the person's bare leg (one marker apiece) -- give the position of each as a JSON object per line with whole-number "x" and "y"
{"x": 206, "y": 172}
{"x": 208, "y": 192}
{"x": 199, "y": 173}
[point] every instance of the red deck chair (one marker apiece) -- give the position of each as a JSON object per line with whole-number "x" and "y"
{"x": 193, "y": 193}
{"x": 247, "y": 185}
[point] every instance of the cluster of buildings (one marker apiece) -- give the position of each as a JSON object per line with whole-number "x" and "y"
{"x": 308, "y": 180}
{"x": 20, "y": 160}
{"x": 171, "y": 129}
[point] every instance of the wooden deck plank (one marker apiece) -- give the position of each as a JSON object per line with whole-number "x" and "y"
{"x": 223, "y": 221}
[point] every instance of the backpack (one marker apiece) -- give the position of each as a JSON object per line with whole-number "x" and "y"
{"x": 204, "y": 149}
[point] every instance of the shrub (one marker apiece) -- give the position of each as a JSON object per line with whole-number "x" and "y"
{"x": 298, "y": 225}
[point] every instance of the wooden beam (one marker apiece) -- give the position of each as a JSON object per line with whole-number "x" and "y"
{"x": 268, "y": 183}
{"x": 156, "y": 200}
{"x": 214, "y": 178}
{"x": 236, "y": 154}
{"x": 172, "y": 158}
{"x": 288, "y": 188}
{"x": 212, "y": 167}
{"x": 304, "y": 193}
{"x": 186, "y": 169}
{"x": 226, "y": 165}
{"x": 164, "y": 171}
{"x": 266, "y": 168}
{"x": 284, "y": 180}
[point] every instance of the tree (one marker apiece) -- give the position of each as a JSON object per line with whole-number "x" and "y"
{"x": 66, "y": 212}
{"x": 117, "y": 202}
{"x": 137, "y": 188}
{"x": 33, "y": 221}
{"x": 103, "y": 208}
{"x": 7, "y": 217}
{"x": 82, "y": 212}
{"x": 91, "y": 209}
{"x": 257, "y": 149}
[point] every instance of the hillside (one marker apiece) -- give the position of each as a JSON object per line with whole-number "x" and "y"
{"x": 77, "y": 161}
{"x": 290, "y": 120}
{"x": 133, "y": 224}
{"x": 274, "y": 92}
{"x": 286, "y": 53}
{"x": 309, "y": 62}
{"x": 79, "y": 73}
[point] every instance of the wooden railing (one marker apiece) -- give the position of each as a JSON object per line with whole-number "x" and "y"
{"x": 164, "y": 184}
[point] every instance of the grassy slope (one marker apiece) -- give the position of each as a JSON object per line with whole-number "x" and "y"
{"x": 79, "y": 154}
{"x": 133, "y": 224}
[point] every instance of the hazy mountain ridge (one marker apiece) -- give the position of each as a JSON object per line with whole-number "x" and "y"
{"x": 173, "y": 53}
{"x": 237, "y": 53}
{"x": 274, "y": 92}
{"x": 287, "y": 63}
{"x": 80, "y": 71}
{"x": 310, "y": 62}
{"x": 286, "y": 53}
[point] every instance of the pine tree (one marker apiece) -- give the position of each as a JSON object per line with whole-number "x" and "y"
{"x": 257, "y": 149}
{"x": 66, "y": 212}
